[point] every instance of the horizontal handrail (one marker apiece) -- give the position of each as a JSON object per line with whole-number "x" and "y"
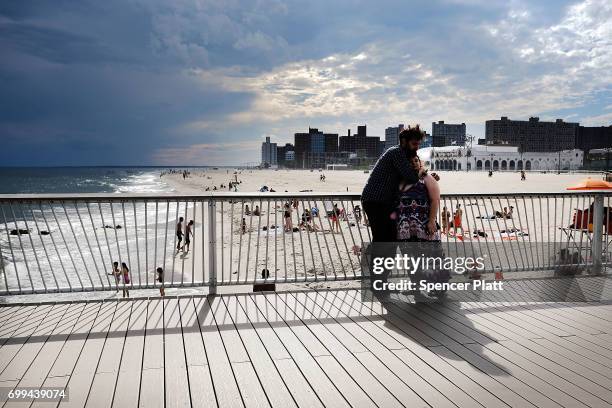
{"x": 124, "y": 197}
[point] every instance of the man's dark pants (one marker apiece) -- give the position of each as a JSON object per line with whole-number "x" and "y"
{"x": 384, "y": 236}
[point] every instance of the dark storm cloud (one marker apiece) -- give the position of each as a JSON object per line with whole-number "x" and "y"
{"x": 139, "y": 81}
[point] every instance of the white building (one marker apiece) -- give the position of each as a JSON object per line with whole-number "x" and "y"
{"x": 496, "y": 157}
{"x": 289, "y": 155}
{"x": 392, "y": 135}
{"x": 268, "y": 153}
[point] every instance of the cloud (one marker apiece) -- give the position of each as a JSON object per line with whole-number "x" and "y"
{"x": 150, "y": 81}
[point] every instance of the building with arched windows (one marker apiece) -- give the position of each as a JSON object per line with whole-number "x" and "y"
{"x": 498, "y": 158}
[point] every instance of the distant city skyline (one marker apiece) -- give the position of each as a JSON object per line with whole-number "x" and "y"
{"x": 181, "y": 83}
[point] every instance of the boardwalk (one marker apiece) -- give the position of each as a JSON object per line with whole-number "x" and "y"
{"x": 314, "y": 349}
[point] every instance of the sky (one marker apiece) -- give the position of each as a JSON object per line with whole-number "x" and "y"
{"x": 190, "y": 82}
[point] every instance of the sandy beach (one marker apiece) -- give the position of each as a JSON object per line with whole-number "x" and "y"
{"x": 451, "y": 182}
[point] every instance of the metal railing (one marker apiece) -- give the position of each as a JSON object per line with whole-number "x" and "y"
{"x": 68, "y": 243}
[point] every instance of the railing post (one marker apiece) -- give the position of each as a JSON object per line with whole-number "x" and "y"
{"x": 596, "y": 247}
{"x": 212, "y": 247}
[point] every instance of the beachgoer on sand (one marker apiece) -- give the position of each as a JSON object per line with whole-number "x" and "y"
{"x": 179, "y": 234}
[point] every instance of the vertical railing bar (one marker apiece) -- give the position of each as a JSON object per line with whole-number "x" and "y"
{"x": 285, "y": 246}
{"x": 486, "y": 240}
{"x": 501, "y": 239}
{"x": 303, "y": 249}
{"x": 165, "y": 243}
{"x": 585, "y": 204}
{"x": 336, "y": 242}
{"x": 54, "y": 245}
{"x": 231, "y": 245}
{"x": 191, "y": 249}
{"x": 91, "y": 251}
{"x": 212, "y": 250}
{"x": 108, "y": 245}
{"x": 242, "y": 217}
{"x": 348, "y": 224}
{"x": 193, "y": 258}
{"x": 137, "y": 246}
{"x": 331, "y": 227}
{"x": 248, "y": 243}
{"x": 319, "y": 215}
{"x": 110, "y": 285}
{"x": 76, "y": 271}
{"x": 127, "y": 245}
{"x": 6, "y": 282}
{"x": 146, "y": 253}
{"x": 582, "y": 226}
{"x": 174, "y": 244}
{"x": 467, "y": 222}
{"x": 531, "y": 260}
{"x": 535, "y": 230}
{"x": 203, "y": 239}
{"x": 562, "y": 224}
{"x": 8, "y": 237}
{"x": 44, "y": 247}
{"x": 121, "y": 259}
{"x": 256, "y": 269}
{"x": 276, "y": 242}
{"x": 22, "y": 247}
{"x": 269, "y": 229}
{"x": 542, "y": 237}
{"x": 290, "y": 201}
{"x": 522, "y": 236}
{"x": 550, "y": 256}
{"x": 155, "y": 247}
{"x": 358, "y": 224}
{"x": 344, "y": 239}
{"x": 78, "y": 246}
{"x": 222, "y": 242}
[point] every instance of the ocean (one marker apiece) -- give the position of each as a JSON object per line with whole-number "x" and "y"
{"x": 31, "y": 180}
{"x": 70, "y": 244}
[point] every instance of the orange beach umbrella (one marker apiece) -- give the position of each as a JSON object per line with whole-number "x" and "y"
{"x": 591, "y": 184}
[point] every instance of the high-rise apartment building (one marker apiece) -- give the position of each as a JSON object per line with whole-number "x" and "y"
{"x": 392, "y": 135}
{"x": 447, "y": 134}
{"x": 532, "y": 135}
{"x": 268, "y": 153}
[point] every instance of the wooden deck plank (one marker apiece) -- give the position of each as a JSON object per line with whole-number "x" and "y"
{"x": 314, "y": 348}
{"x": 224, "y": 380}
{"x": 357, "y": 384}
{"x": 464, "y": 383}
{"x": 19, "y": 352}
{"x": 295, "y": 381}
{"x": 578, "y": 355}
{"x": 82, "y": 376}
{"x": 152, "y": 387}
{"x": 584, "y": 378}
{"x": 397, "y": 377}
{"x": 41, "y": 365}
{"x": 248, "y": 382}
{"x": 176, "y": 380}
{"x": 22, "y": 324}
{"x": 303, "y": 357}
{"x": 103, "y": 386}
{"x": 525, "y": 373}
{"x": 502, "y": 377}
{"x": 201, "y": 386}
{"x": 69, "y": 354}
{"x": 127, "y": 387}
{"x": 267, "y": 373}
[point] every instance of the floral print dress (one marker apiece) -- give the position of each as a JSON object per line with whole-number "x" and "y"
{"x": 413, "y": 214}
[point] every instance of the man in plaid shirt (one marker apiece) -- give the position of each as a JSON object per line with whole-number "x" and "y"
{"x": 380, "y": 192}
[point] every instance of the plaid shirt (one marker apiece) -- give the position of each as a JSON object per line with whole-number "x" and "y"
{"x": 383, "y": 183}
